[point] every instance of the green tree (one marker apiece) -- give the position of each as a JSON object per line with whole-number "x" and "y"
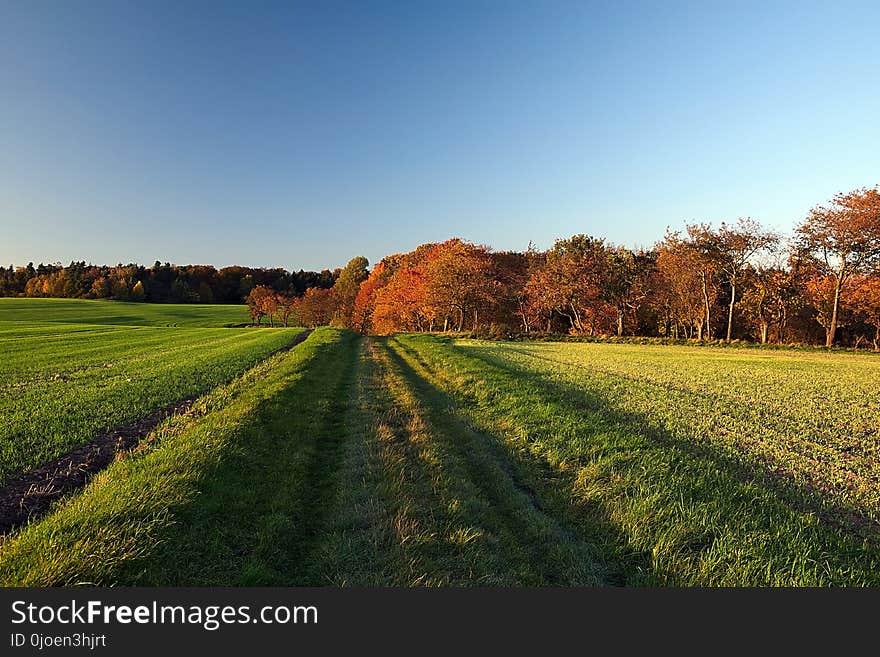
{"x": 346, "y": 289}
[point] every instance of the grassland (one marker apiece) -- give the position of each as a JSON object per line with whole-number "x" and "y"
{"x": 63, "y": 383}
{"x": 688, "y": 466}
{"x": 81, "y": 311}
{"x": 218, "y": 496}
{"x": 421, "y": 460}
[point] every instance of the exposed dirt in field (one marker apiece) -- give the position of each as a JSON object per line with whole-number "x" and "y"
{"x": 30, "y": 495}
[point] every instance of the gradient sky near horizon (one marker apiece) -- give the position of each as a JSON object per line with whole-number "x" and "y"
{"x": 300, "y": 134}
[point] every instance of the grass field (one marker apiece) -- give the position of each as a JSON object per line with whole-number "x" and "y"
{"x": 81, "y": 311}
{"x": 419, "y": 460}
{"x": 64, "y": 383}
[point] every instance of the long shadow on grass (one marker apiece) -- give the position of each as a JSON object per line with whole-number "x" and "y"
{"x": 530, "y": 544}
{"x": 799, "y": 497}
{"x": 704, "y": 518}
{"x": 527, "y": 486}
{"x": 260, "y": 513}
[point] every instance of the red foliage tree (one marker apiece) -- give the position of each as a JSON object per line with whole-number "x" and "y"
{"x": 842, "y": 240}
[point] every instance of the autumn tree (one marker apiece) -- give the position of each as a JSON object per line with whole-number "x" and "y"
{"x": 399, "y": 304}
{"x": 138, "y": 293}
{"x": 843, "y": 240}
{"x": 866, "y": 303}
{"x": 365, "y": 301}
{"x": 101, "y": 288}
{"x": 261, "y": 302}
{"x": 571, "y": 284}
{"x": 682, "y": 288}
{"x": 458, "y": 281}
{"x": 511, "y": 273}
{"x": 316, "y": 307}
{"x": 286, "y": 307}
{"x": 769, "y": 299}
{"x": 731, "y": 247}
{"x": 626, "y": 281}
{"x": 703, "y": 262}
{"x": 821, "y": 292}
{"x": 346, "y": 289}
{"x": 393, "y": 297}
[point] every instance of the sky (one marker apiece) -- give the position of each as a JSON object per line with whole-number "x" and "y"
{"x": 301, "y": 134}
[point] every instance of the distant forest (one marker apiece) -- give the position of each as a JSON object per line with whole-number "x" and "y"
{"x": 161, "y": 283}
{"x": 736, "y": 281}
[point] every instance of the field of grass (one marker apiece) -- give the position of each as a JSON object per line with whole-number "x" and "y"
{"x": 695, "y": 466}
{"x": 82, "y": 311}
{"x": 419, "y": 460}
{"x": 62, "y": 384}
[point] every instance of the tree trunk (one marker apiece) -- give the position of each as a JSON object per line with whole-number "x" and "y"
{"x": 703, "y": 277}
{"x": 780, "y": 332}
{"x": 830, "y": 332}
{"x": 764, "y": 328}
{"x": 877, "y": 338}
{"x": 576, "y": 319}
{"x": 522, "y": 313}
{"x": 730, "y": 313}
{"x": 619, "y": 322}
{"x": 699, "y": 331}
{"x": 475, "y": 320}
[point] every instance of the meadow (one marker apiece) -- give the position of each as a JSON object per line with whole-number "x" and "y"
{"x": 82, "y": 311}
{"x": 65, "y": 383}
{"x": 426, "y": 460}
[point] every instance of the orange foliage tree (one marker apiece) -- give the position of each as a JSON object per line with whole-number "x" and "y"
{"x": 571, "y": 285}
{"x": 769, "y": 300}
{"x": 866, "y": 303}
{"x": 316, "y": 307}
{"x": 842, "y": 240}
{"x": 262, "y": 302}
{"x": 681, "y": 288}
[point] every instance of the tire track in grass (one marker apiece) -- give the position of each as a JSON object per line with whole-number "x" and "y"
{"x": 261, "y": 515}
{"x": 43, "y": 420}
{"x": 408, "y": 514}
{"x": 322, "y": 481}
{"x": 539, "y": 548}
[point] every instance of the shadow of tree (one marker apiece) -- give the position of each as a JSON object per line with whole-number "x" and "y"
{"x": 674, "y": 512}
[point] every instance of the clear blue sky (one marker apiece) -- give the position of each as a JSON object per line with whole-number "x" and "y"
{"x": 301, "y": 134}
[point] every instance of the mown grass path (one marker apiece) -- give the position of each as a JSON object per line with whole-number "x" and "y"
{"x": 259, "y": 516}
{"x": 429, "y": 501}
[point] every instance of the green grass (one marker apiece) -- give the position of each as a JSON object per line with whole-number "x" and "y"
{"x": 426, "y": 501}
{"x": 419, "y": 460}
{"x": 694, "y": 466}
{"x": 224, "y": 494}
{"x": 82, "y": 311}
{"x": 63, "y": 384}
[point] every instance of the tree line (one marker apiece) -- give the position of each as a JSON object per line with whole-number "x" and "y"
{"x": 736, "y": 280}
{"x": 161, "y": 283}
